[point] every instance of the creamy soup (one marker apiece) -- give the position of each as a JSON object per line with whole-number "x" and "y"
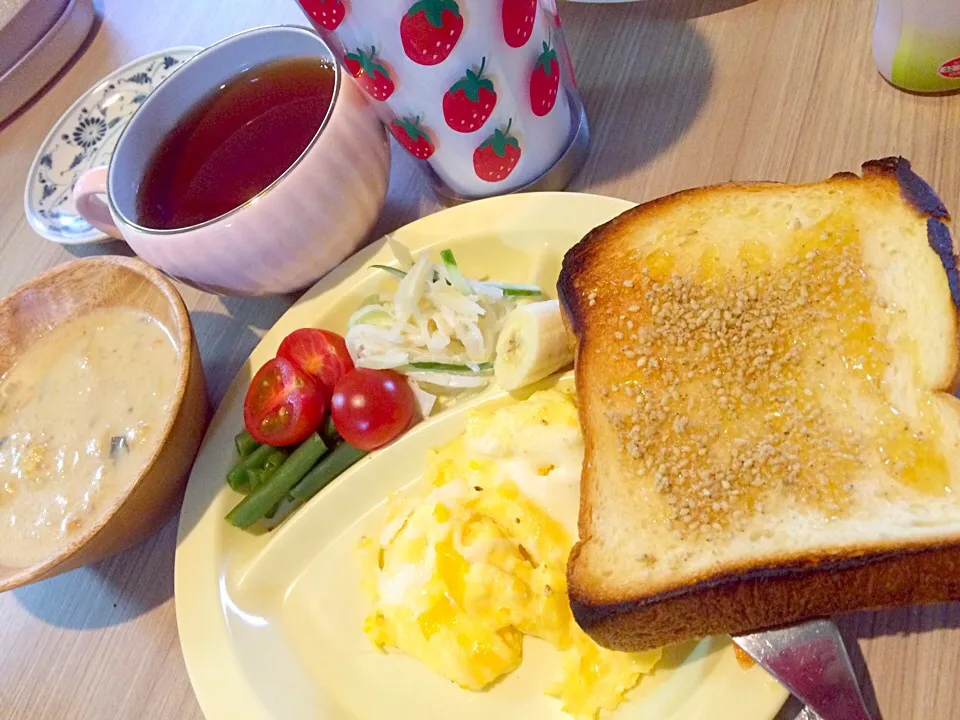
{"x": 80, "y": 413}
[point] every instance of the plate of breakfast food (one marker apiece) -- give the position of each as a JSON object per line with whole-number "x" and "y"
{"x": 273, "y": 624}
{"x": 409, "y": 505}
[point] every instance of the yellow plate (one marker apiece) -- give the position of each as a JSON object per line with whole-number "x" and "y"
{"x": 271, "y": 625}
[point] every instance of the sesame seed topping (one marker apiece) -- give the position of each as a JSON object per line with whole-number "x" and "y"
{"x": 723, "y": 417}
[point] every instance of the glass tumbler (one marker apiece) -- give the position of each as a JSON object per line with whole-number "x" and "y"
{"x": 482, "y": 92}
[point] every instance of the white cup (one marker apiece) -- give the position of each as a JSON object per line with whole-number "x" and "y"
{"x": 316, "y": 214}
{"x": 481, "y": 93}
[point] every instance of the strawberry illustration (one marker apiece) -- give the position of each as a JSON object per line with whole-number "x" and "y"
{"x": 518, "y": 17}
{"x": 408, "y": 133}
{"x": 370, "y": 73}
{"x": 544, "y": 82}
{"x": 430, "y": 29}
{"x": 328, "y": 14}
{"x": 497, "y": 156}
{"x": 469, "y": 101}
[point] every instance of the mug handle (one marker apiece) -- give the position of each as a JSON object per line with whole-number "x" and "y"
{"x": 88, "y": 193}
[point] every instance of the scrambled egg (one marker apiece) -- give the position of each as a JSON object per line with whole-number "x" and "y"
{"x": 474, "y": 557}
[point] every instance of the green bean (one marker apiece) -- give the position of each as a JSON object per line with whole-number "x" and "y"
{"x": 259, "y": 502}
{"x": 245, "y": 443}
{"x": 256, "y": 459}
{"x": 255, "y": 478}
{"x": 245, "y": 481}
{"x": 237, "y": 477}
{"x": 340, "y": 458}
{"x": 273, "y": 463}
{"x": 276, "y": 459}
{"x": 329, "y": 432}
{"x": 272, "y": 512}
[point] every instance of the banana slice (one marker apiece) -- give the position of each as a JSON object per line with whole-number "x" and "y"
{"x": 532, "y": 344}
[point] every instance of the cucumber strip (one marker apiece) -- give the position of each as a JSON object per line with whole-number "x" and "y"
{"x": 482, "y": 368}
{"x": 458, "y": 280}
{"x": 453, "y": 270}
{"x": 396, "y": 272}
{"x": 368, "y": 315}
{"x": 516, "y": 289}
{"x": 433, "y": 379}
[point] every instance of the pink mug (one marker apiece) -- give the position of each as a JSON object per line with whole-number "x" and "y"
{"x": 315, "y": 215}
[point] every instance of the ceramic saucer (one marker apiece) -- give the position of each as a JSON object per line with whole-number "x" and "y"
{"x": 84, "y": 137}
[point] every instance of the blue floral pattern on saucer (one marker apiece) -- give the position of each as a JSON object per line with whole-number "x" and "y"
{"x": 84, "y": 138}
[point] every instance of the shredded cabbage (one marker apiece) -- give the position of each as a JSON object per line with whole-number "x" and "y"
{"x": 429, "y": 320}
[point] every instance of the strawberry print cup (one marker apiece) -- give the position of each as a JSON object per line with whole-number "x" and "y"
{"x": 481, "y": 91}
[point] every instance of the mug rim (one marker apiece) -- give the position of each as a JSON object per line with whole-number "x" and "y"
{"x": 337, "y": 83}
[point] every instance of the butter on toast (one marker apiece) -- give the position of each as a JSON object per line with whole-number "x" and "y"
{"x": 763, "y": 373}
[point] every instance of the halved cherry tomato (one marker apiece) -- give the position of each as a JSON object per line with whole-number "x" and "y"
{"x": 283, "y": 404}
{"x": 372, "y": 407}
{"x": 321, "y": 353}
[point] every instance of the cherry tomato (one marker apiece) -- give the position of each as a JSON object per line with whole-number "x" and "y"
{"x": 283, "y": 404}
{"x": 321, "y": 353}
{"x": 372, "y": 407}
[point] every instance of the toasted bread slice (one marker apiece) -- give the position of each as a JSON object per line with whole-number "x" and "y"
{"x": 763, "y": 375}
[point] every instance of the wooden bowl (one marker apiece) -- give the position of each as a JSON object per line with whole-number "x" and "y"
{"x": 73, "y": 289}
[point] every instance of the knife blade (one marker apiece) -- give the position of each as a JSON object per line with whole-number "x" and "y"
{"x": 811, "y": 661}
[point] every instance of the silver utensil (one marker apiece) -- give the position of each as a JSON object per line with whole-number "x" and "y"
{"x": 810, "y": 661}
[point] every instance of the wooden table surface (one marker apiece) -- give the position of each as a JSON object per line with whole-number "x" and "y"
{"x": 679, "y": 94}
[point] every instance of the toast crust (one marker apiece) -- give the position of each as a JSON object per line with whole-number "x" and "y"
{"x": 925, "y": 201}
{"x": 785, "y": 588}
{"x": 793, "y": 590}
